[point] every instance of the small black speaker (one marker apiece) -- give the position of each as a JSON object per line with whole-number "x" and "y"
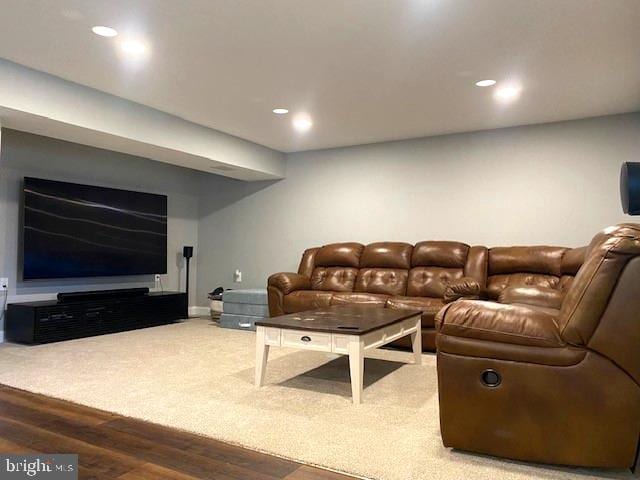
{"x": 187, "y": 252}
{"x": 630, "y": 187}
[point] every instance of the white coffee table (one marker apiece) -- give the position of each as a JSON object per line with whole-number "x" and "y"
{"x": 347, "y": 330}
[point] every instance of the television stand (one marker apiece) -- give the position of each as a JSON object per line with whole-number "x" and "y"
{"x": 88, "y": 315}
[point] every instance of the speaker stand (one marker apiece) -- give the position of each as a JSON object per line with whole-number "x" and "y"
{"x": 187, "y": 280}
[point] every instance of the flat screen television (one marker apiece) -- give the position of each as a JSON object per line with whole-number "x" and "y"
{"x": 72, "y": 230}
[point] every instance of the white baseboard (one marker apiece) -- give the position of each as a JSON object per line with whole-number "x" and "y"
{"x": 199, "y": 311}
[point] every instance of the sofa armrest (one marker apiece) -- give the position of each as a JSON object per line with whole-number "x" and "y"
{"x": 535, "y": 296}
{"x": 288, "y": 282}
{"x": 465, "y": 287}
{"x": 495, "y": 322}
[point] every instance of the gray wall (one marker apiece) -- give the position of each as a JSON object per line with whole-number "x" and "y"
{"x": 546, "y": 184}
{"x": 551, "y": 184}
{"x": 24, "y": 154}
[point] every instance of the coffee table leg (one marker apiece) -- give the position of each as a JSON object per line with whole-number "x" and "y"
{"x": 416, "y": 342}
{"x": 356, "y": 368}
{"x": 262, "y": 353}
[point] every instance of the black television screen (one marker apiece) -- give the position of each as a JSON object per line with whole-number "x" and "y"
{"x": 73, "y": 230}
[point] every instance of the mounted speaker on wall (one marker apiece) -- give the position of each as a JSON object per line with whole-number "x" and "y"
{"x": 630, "y": 187}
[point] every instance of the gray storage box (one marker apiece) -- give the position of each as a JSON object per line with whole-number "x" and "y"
{"x": 255, "y": 296}
{"x": 242, "y": 308}
{"x": 246, "y": 309}
{"x": 239, "y": 322}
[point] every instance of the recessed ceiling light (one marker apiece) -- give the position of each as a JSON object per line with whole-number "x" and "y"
{"x": 104, "y": 31}
{"x": 485, "y": 83}
{"x": 133, "y": 47}
{"x": 280, "y": 111}
{"x": 302, "y": 123}
{"x": 507, "y": 93}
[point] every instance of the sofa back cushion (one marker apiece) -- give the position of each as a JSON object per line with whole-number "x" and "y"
{"x": 431, "y": 281}
{"x": 538, "y": 266}
{"x": 434, "y": 264}
{"x": 389, "y": 281}
{"x": 496, "y": 284}
{"x": 440, "y": 254}
{"x": 339, "y": 255}
{"x": 333, "y": 267}
{"x": 387, "y": 255}
{"x": 336, "y": 279}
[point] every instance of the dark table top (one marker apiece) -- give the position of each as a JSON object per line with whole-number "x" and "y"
{"x": 347, "y": 319}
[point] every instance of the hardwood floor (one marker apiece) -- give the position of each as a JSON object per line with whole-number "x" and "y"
{"x": 115, "y": 447}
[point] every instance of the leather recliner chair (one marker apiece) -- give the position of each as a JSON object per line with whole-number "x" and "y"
{"x": 526, "y": 381}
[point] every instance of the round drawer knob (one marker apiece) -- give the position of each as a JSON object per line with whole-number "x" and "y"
{"x": 491, "y": 378}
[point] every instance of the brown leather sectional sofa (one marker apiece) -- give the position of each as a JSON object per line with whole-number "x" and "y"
{"x": 424, "y": 276}
{"x": 538, "y": 355}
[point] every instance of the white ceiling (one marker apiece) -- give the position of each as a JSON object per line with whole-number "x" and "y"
{"x": 364, "y": 70}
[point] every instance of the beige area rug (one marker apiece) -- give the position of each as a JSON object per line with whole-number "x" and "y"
{"x": 198, "y": 377}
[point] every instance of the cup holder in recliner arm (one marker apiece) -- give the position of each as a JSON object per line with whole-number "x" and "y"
{"x": 490, "y": 378}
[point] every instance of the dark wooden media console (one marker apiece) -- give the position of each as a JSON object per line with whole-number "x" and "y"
{"x": 52, "y": 320}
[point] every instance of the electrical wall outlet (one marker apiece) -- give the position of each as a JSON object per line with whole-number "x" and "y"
{"x": 237, "y": 277}
{"x": 4, "y": 284}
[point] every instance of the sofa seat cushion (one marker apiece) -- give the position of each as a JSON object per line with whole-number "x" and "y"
{"x": 302, "y": 300}
{"x": 554, "y": 312}
{"x": 517, "y": 333}
{"x": 495, "y": 322}
{"x": 429, "y": 307}
{"x": 534, "y": 296}
{"x": 470, "y": 347}
{"x": 372, "y": 299}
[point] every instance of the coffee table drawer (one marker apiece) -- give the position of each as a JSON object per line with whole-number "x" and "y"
{"x": 307, "y": 340}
